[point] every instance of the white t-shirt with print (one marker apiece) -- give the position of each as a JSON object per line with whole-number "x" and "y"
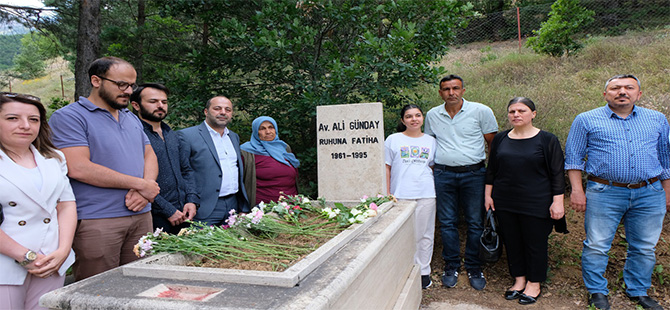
{"x": 410, "y": 160}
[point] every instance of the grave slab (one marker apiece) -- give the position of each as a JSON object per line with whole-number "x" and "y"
{"x": 374, "y": 270}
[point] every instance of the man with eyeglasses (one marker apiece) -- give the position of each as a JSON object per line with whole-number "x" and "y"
{"x": 176, "y": 202}
{"x": 112, "y": 168}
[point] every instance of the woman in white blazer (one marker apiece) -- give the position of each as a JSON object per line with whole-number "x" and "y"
{"x": 39, "y": 211}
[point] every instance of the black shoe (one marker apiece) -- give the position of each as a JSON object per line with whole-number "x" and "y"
{"x": 477, "y": 280}
{"x": 426, "y": 282}
{"x": 599, "y": 301}
{"x": 513, "y": 294}
{"x": 646, "y": 302}
{"x": 450, "y": 277}
{"x": 527, "y": 300}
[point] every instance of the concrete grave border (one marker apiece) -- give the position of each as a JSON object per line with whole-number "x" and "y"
{"x": 171, "y": 266}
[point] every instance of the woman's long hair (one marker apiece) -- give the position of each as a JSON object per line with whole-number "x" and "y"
{"x": 43, "y": 142}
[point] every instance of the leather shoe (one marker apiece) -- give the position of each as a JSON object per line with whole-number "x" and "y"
{"x": 599, "y": 301}
{"x": 513, "y": 294}
{"x": 646, "y": 302}
{"x": 527, "y": 300}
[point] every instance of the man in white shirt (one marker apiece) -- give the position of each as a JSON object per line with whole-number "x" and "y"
{"x": 211, "y": 153}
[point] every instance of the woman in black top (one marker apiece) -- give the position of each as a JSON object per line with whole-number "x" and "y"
{"x": 525, "y": 185}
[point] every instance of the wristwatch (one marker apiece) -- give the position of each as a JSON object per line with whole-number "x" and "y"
{"x": 30, "y": 257}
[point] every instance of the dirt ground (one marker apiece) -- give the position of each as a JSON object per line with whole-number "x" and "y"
{"x": 564, "y": 288}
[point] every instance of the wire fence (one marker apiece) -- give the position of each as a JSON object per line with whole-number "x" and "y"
{"x": 611, "y": 17}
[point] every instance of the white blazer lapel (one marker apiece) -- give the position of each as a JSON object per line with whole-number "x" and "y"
{"x": 11, "y": 172}
{"x": 49, "y": 172}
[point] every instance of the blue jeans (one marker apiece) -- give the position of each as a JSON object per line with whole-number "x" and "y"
{"x": 642, "y": 211}
{"x": 454, "y": 191}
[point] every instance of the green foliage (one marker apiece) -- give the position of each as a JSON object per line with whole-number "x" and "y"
{"x": 35, "y": 50}
{"x": 57, "y": 103}
{"x": 658, "y": 272}
{"x": 10, "y": 46}
{"x": 280, "y": 58}
{"x": 555, "y": 36}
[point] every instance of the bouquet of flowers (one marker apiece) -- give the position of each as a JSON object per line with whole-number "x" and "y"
{"x": 275, "y": 234}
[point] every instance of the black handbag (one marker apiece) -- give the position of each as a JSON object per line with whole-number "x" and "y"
{"x": 2, "y": 216}
{"x": 490, "y": 247}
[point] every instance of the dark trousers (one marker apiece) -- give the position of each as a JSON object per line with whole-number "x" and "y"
{"x": 221, "y": 212}
{"x": 526, "y": 242}
{"x": 457, "y": 191}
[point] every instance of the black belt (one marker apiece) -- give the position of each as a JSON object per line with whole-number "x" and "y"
{"x": 457, "y": 169}
{"x": 627, "y": 185}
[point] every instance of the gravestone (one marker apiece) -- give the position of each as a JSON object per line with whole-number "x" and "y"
{"x": 350, "y": 151}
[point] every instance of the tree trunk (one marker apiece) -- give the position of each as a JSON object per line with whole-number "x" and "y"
{"x": 88, "y": 45}
{"x": 138, "y": 61}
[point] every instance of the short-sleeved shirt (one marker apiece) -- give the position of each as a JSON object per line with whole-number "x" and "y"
{"x": 118, "y": 145}
{"x": 460, "y": 140}
{"x": 410, "y": 160}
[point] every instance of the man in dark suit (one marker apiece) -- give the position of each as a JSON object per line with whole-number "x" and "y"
{"x": 212, "y": 154}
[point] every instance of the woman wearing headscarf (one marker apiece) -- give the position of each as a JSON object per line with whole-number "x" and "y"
{"x": 270, "y": 169}
{"x": 38, "y": 206}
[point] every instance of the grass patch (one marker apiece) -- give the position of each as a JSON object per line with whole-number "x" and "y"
{"x": 561, "y": 87}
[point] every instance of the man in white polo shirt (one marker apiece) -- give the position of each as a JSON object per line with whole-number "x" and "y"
{"x": 463, "y": 130}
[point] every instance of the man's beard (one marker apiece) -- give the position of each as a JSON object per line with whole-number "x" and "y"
{"x": 150, "y": 116}
{"x": 111, "y": 101}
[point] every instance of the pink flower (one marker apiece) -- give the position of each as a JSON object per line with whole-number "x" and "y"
{"x": 365, "y": 196}
{"x": 232, "y": 219}
{"x": 373, "y": 206}
{"x": 257, "y": 217}
{"x": 380, "y": 196}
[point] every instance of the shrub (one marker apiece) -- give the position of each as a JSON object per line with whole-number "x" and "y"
{"x": 555, "y": 36}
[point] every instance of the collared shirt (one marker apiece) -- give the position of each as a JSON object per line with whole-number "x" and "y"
{"x": 116, "y": 144}
{"x": 626, "y": 150}
{"x": 227, "y": 161}
{"x": 174, "y": 189}
{"x": 460, "y": 140}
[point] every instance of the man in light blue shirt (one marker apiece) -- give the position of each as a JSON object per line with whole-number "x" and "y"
{"x": 463, "y": 130}
{"x": 624, "y": 150}
{"x": 212, "y": 154}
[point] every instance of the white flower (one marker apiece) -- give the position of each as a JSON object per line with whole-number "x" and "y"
{"x": 158, "y": 231}
{"x": 355, "y": 212}
{"x": 305, "y": 200}
{"x": 361, "y": 218}
{"x": 371, "y": 213}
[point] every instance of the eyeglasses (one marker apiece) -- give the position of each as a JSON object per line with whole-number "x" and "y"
{"x": 17, "y": 95}
{"x": 120, "y": 84}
